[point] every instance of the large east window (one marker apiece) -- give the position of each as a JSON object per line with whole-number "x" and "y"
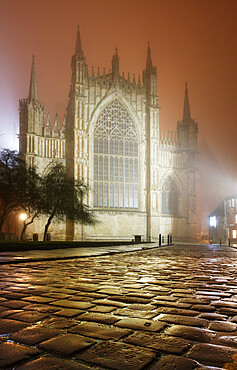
{"x": 169, "y": 197}
{"x": 115, "y": 159}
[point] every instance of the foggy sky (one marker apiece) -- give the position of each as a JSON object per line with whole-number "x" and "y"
{"x": 191, "y": 40}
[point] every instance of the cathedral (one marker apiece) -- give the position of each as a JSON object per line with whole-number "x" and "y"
{"x": 141, "y": 181}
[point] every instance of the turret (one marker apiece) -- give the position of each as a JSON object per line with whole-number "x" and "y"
{"x": 115, "y": 64}
{"x": 33, "y": 91}
{"x": 32, "y": 112}
{"x": 150, "y": 79}
{"x": 78, "y": 66}
{"x": 187, "y": 128}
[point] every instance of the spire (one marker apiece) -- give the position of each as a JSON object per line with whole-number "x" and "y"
{"x": 186, "y": 111}
{"x": 78, "y": 50}
{"x": 33, "y": 92}
{"x": 115, "y": 64}
{"x": 148, "y": 58}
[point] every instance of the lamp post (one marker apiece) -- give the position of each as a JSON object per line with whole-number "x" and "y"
{"x": 23, "y": 216}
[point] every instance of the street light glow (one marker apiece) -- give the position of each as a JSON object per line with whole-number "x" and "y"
{"x": 23, "y": 216}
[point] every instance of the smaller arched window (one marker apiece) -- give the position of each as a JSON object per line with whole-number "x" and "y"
{"x": 169, "y": 197}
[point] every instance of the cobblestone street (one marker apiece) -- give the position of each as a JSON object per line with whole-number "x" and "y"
{"x": 165, "y": 308}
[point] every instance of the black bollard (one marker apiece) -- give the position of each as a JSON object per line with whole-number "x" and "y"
{"x": 168, "y": 239}
{"x": 229, "y": 242}
{"x": 159, "y": 240}
{"x": 220, "y": 241}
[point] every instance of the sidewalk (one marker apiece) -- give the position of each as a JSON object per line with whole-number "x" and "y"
{"x": 70, "y": 253}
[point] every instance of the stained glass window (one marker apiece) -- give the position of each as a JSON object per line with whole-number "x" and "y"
{"x": 115, "y": 159}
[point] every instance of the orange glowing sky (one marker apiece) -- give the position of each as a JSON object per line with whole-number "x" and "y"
{"x": 191, "y": 40}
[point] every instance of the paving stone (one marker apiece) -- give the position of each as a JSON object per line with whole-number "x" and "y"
{"x": 166, "y": 298}
{"x": 211, "y": 298}
{"x": 69, "y": 312}
{"x": 218, "y": 293}
{"x": 80, "y": 298}
{"x": 29, "y": 316}
{"x": 222, "y": 326}
{"x": 187, "y": 332}
{"x": 141, "y": 295}
{"x": 135, "y": 313}
{"x": 212, "y": 316}
{"x": 182, "y": 320}
{"x": 213, "y": 355}
{"x": 87, "y": 287}
{"x": 12, "y": 353}
{"x": 7, "y": 313}
{"x": 48, "y": 363}
{"x": 228, "y": 340}
{"x": 171, "y": 362}
{"x": 38, "y": 299}
{"x": 102, "y": 309}
{"x": 34, "y": 334}
{"x": 56, "y": 295}
{"x": 10, "y": 295}
{"x": 159, "y": 342}
{"x": 109, "y": 302}
{"x": 140, "y": 324}
{"x": 203, "y": 308}
{"x": 228, "y": 310}
{"x": 176, "y": 311}
{"x": 127, "y": 299}
{"x": 40, "y": 308}
{"x": 223, "y": 303}
{"x": 171, "y": 304}
{"x": 3, "y": 308}
{"x": 141, "y": 307}
{"x": 14, "y": 304}
{"x": 117, "y": 355}
{"x": 59, "y": 323}
{"x": 8, "y": 326}
{"x": 101, "y": 331}
{"x": 194, "y": 300}
{"x": 72, "y": 304}
{"x": 111, "y": 290}
{"x": 67, "y": 344}
{"x": 90, "y": 295}
{"x": 99, "y": 317}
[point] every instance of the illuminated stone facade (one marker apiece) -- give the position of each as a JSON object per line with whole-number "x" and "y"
{"x": 141, "y": 182}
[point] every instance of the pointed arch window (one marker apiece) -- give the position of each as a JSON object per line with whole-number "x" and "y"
{"x": 115, "y": 159}
{"x": 169, "y": 197}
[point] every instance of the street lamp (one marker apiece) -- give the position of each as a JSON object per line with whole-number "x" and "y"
{"x": 23, "y": 216}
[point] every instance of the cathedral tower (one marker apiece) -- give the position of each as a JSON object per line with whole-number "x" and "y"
{"x": 187, "y": 130}
{"x": 76, "y": 140}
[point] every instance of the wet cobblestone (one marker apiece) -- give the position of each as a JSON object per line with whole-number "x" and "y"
{"x": 165, "y": 308}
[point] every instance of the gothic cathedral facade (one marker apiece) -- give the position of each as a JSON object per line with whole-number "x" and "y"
{"x": 141, "y": 182}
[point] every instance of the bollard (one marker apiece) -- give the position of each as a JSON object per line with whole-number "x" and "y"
{"x": 229, "y": 242}
{"x": 159, "y": 240}
{"x": 163, "y": 239}
{"x": 35, "y": 237}
{"x": 168, "y": 239}
{"x": 220, "y": 241}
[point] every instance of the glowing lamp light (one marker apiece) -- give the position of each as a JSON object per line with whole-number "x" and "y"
{"x": 213, "y": 221}
{"x": 23, "y": 216}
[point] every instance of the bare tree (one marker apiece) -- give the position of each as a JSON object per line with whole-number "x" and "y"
{"x": 62, "y": 197}
{"x": 17, "y": 184}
